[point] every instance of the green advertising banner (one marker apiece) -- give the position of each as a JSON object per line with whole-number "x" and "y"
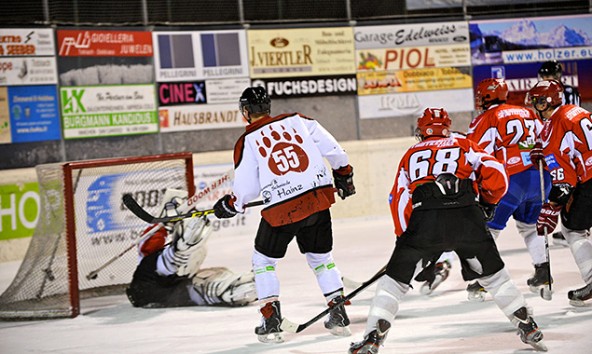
{"x": 109, "y": 110}
{"x": 19, "y": 210}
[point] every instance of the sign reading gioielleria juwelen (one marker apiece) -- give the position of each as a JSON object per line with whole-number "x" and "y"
{"x": 107, "y": 83}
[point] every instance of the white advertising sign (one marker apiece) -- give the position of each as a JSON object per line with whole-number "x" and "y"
{"x": 413, "y": 35}
{"x": 225, "y": 90}
{"x": 412, "y": 103}
{"x": 28, "y": 71}
{"x": 200, "y": 117}
{"x": 26, "y": 42}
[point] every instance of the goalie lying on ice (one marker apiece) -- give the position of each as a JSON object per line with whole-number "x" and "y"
{"x": 169, "y": 274}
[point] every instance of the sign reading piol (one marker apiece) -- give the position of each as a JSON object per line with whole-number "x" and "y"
{"x": 94, "y": 111}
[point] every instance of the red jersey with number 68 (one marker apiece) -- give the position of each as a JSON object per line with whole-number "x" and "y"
{"x": 425, "y": 161}
{"x": 567, "y": 143}
{"x": 507, "y": 132}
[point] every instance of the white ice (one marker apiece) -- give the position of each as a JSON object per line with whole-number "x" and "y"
{"x": 444, "y": 322}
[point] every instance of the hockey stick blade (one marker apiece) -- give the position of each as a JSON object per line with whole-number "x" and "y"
{"x": 292, "y": 327}
{"x": 135, "y": 208}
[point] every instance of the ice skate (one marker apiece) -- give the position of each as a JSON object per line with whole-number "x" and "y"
{"x": 373, "y": 341}
{"x": 559, "y": 239}
{"x": 528, "y": 330}
{"x": 475, "y": 292}
{"x": 539, "y": 283}
{"x": 338, "y": 322}
{"x": 269, "y": 331}
{"x": 578, "y": 296}
{"x": 441, "y": 272}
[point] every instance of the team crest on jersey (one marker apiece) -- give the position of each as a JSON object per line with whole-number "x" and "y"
{"x": 283, "y": 150}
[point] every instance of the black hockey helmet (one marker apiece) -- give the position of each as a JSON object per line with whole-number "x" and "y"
{"x": 255, "y": 99}
{"x": 551, "y": 68}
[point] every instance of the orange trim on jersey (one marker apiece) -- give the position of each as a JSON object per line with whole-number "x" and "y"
{"x": 300, "y": 207}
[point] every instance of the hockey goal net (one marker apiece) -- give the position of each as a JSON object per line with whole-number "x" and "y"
{"x": 82, "y": 225}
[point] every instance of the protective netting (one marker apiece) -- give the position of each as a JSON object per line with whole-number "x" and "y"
{"x": 102, "y": 227}
{"x": 239, "y": 12}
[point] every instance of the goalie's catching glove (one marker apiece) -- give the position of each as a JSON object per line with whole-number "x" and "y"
{"x": 548, "y": 218}
{"x": 344, "y": 181}
{"x": 224, "y": 207}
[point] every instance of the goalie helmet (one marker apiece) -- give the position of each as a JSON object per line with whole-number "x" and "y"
{"x": 491, "y": 91}
{"x": 552, "y": 69}
{"x": 433, "y": 122}
{"x": 255, "y": 100}
{"x": 546, "y": 91}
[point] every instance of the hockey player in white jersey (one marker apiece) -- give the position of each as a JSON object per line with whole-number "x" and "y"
{"x": 170, "y": 274}
{"x": 283, "y": 159}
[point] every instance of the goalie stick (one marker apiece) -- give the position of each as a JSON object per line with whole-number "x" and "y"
{"x": 292, "y": 327}
{"x": 135, "y": 208}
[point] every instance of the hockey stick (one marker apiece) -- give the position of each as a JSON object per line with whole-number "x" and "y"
{"x": 184, "y": 207}
{"x": 292, "y": 327}
{"x": 135, "y": 208}
{"x": 546, "y": 293}
{"x": 95, "y": 273}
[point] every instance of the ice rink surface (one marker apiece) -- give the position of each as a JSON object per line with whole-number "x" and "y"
{"x": 444, "y": 322}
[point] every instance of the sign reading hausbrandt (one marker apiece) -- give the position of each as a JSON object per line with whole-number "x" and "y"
{"x": 93, "y": 111}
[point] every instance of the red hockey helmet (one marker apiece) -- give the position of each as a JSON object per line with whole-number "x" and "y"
{"x": 546, "y": 91}
{"x": 490, "y": 91}
{"x": 433, "y": 122}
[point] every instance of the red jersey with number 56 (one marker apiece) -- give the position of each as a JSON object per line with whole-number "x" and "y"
{"x": 425, "y": 161}
{"x": 567, "y": 143}
{"x": 507, "y": 132}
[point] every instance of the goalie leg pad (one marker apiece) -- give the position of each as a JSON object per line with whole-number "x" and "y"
{"x": 328, "y": 276}
{"x": 504, "y": 292}
{"x": 385, "y": 303}
{"x": 266, "y": 279}
{"x": 581, "y": 249}
{"x": 220, "y": 286}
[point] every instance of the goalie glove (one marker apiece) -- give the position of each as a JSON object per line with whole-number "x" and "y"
{"x": 224, "y": 207}
{"x": 548, "y": 218}
{"x": 344, "y": 181}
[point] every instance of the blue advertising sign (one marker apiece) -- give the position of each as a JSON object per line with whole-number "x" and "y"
{"x": 33, "y": 113}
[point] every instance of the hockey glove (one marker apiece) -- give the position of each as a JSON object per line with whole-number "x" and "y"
{"x": 344, "y": 181}
{"x": 548, "y": 218}
{"x": 536, "y": 154}
{"x": 560, "y": 193}
{"x": 224, "y": 207}
{"x": 488, "y": 209}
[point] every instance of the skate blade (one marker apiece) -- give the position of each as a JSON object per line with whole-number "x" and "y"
{"x": 539, "y": 346}
{"x": 277, "y": 337}
{"x": 476, "y": 297}
{"x": 340, "y": 331}
{"x": 577, "y": 303}
{"x": 546, "y": 293}
{"x": 426, "y": 289}
{"x": 366, "y": 349}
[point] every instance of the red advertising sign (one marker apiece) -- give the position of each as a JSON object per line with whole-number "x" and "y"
{"x": 104, "y": 43}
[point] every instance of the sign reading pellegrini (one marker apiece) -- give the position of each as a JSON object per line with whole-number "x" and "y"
{"x": 301, "y": 52}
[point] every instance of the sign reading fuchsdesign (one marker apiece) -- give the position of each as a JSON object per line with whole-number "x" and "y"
{"x": 91, "y": 111}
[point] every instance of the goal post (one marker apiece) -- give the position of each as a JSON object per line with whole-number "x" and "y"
{"x": 83, "y": 224}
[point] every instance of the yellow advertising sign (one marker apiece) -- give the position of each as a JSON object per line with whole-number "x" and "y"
{"x": 413, "y": 57}
{"x": 301, "y": 52}
{"x": 375, "y": 83}
{"x": 5, "y": 136}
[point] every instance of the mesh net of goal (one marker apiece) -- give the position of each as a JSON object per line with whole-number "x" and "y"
{"x": 82, "y": 225}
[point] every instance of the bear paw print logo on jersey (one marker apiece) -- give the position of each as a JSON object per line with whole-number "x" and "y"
{"x": 283, "y": 151}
